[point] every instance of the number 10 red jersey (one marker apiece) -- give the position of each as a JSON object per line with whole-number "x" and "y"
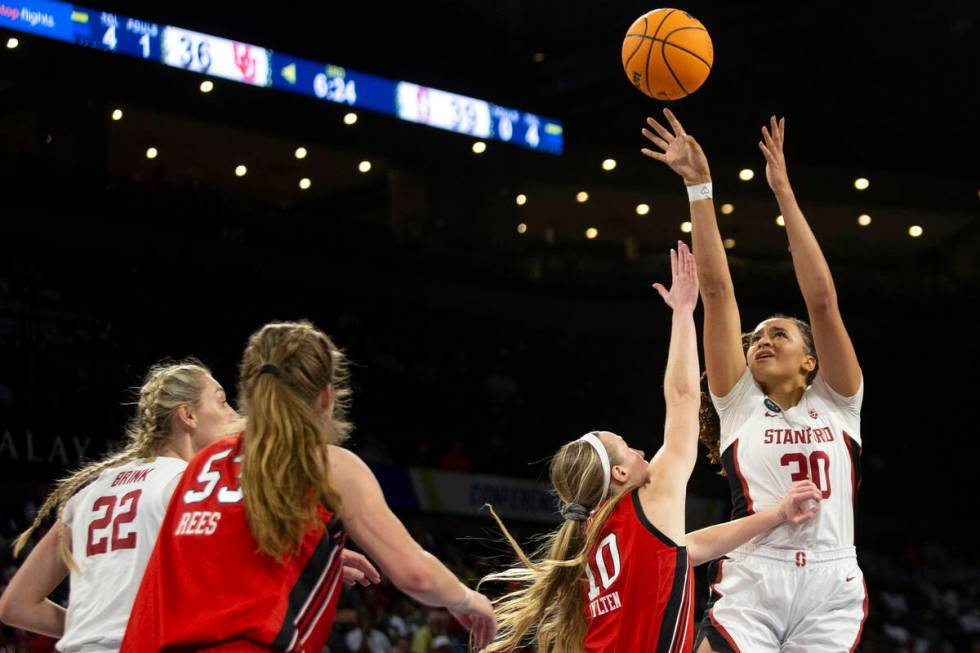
{"x": 640, "y": 587}
{"x": 206, "y": 586}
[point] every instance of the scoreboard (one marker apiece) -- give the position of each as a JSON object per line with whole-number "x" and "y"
{"x": 257, "y": 66}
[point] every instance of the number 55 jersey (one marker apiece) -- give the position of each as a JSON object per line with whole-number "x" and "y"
{"x": 114, "y": 522}
{"x": 765, "y": 449}
{"x": 208, "y": 588}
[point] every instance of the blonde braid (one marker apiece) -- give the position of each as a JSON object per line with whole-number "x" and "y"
{"x": 166, "y": 387}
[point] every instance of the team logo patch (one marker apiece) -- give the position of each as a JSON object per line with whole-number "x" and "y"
{"x": 812, "y": 414}
{"x": 772, "y": 405}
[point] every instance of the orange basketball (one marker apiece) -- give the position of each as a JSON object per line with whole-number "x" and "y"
{"x": 667, "y": 54}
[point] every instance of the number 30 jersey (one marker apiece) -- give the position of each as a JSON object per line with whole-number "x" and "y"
{"x": 765, "y": 449}
{"x": 639, "y": 595}
{"x": 207, "y": 588}
{"x": 114, "y": 523}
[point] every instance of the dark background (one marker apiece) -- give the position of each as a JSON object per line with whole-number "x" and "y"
{"x": 465, "y": 333}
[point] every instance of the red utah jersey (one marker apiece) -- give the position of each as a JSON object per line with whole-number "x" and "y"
{"x": 207, "y": 587}
{"x": 640, "y": 594}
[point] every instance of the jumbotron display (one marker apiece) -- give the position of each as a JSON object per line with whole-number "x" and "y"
{"x": 258, "y": 66}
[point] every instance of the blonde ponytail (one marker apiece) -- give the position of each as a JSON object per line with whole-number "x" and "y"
{"x": 548, "y": 610}
{"x": 165, "y": 387}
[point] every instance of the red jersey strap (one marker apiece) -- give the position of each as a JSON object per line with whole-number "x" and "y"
{"x": 647, "y": 524}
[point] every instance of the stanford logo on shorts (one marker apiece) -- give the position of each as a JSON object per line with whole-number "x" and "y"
{"x": 800, "y": 559}
{"x": 812, "y": 414}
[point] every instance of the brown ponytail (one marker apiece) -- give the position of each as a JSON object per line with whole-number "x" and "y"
{"x": 284, "y": 371}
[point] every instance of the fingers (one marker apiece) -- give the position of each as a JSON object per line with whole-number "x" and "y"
{"x": 770, "y": 143}
{"x": 660, "y": 129}
{"x": 766, "y": 153}
{"x": 673, "y": 264}
{"x": 804, "y": 517}
{"x": 675, "y": 124}
{"x": 655, "y": 155}
{"x": 774, "y": 128}
{"x": 656, "y": 140}
{"x": 782, "y": 129}
{"x": 663, "y": 294}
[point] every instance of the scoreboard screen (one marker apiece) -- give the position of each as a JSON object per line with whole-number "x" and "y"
{"x": 257, "y": 66}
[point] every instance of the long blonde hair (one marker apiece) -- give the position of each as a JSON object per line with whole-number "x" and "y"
{"x": 166, "y": 387}
{"x": 284, "y": 370}
{"x": 548, "y": 609}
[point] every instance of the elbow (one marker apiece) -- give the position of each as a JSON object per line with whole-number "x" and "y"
{"x": 713, "y": 290}
{"x": 822, "y": 301}
{"x": 7, "y": 611}
{"x": 694, "y": 551}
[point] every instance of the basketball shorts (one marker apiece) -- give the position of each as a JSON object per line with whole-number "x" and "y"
{"x": 767, "y": 600}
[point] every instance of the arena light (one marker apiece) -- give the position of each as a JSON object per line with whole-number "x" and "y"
{"x": 521, "y": 199}
{"x": 864, "y": 220}
{"x": 305, "y": 183}
{"x": 12, "y": 43}
{"x": 861, "y": 183}
{"x": 915, "y": 231}
{"x": 642, "y": 209}
{"x": 207, "y": 86}
{"x": 780, "y": 221}
{"x": 582, "y": 197}
{"x": 241, "y": 171}
{"x": 117, "y": 114}
{"x": 300, "y": 153}
{"x": 364, "y": 166}
{"x": 729, "y": 243}
{"x": 591, "y": 233}
{"x": 537, "y": 57}
{"x": 609, "y": 165}
{"x": 746, "y": 174}
{"x": 152, "y": 153}
{"x": 727, "y": 209}
{"x": 522, "y": 228}
{"x": 686, "y": 227}
{"x": 479, "y": 147}
{"x": 350, "y": 118}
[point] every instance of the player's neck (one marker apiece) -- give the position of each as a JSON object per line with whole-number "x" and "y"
{"x": 786, "y": 394}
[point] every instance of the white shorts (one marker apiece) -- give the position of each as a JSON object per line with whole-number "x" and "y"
{"x": 767, "y": 600}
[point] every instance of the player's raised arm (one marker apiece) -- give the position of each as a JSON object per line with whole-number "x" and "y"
{"x": 838, "y": 360}
{"x": 370, "y": 522}
{"x": 724, "y": 358}
{"x": 671, "y": 466}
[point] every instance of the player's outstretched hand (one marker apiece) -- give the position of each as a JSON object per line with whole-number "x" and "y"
{"x": 477, "y": 617}
{"x": 683, "y": 293}
{"x": 358, "y": 569}
{"x": 679, "y": 150}
{"x": 772, "y": 148}
{"x": 801, "y": 503}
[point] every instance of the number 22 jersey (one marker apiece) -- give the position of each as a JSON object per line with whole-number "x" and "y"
{"x": 765, "y": 449}
{"x": 207, "y": 588}
{"x": 114, "y": 522}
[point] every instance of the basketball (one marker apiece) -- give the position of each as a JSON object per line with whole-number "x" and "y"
{"x": 667, "y": 54}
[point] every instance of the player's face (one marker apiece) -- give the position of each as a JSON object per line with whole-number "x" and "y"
{"x": 213, "y": 415}
{"x": 631, "y": 468}
{"x": 777, "y": 352}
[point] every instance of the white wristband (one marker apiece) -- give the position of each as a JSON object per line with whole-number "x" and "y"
{"x": 699, "y": 192}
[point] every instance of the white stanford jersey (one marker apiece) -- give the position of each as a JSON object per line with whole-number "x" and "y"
{"x": 765, "y": 449}
{"x": 114, "y": 523}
